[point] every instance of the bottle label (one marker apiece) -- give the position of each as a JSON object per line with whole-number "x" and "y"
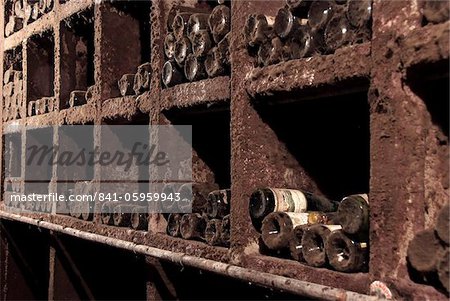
{"x": 363, "y": 245}
{"x": 298, "y": 219}
{"x": 333, "y": 227}
{"x": 289, "y": 200}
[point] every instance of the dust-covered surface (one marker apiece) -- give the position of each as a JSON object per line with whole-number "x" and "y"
{"x": 204, "y": 91}
{"x": 347, "y": 63}
{"x": 408, "y": 142}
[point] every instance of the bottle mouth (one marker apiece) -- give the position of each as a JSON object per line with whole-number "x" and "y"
{"x": 190, "y": 67}
{"x": 211, "y": 205}
{"x": 284, "y": 22}
{"x": 169, "y": 42}
{"x": 257, "y": 205}
{"x": 178, "y": 25}
{"x": 167, "y": 73}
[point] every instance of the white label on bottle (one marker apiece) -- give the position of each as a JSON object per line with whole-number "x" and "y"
{"x": 289, "y": 200}
{"x": 333, "y": 227}
{"x": 363, "y": 245}
{"x": 298, "y": 218}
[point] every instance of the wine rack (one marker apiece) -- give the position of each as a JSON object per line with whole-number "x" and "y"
{"x": 368, "y": 117}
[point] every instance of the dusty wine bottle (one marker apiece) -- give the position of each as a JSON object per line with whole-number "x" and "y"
{"x": 180, "y": 23}
{"x": 258, "y": 29}
{"x": 193, "y": 197}
{"x": 225, "y": 234}
{"x": 320, "y": 12}
{"x": 182, "y": 49}
{"x": 194, "y": 70}
{"x": 286, "y": 24}
{"x": 353, "y": 214}
{"x": 313, "y": 243}
{"x": 192, "y": 226}
{"x": 142, "y": 78}
{"x": 424, "y": 251}
{"x": 266, "y": 200}
{"x": 359, "y": 12}
{"x": 443, "y": 224}
{"x": 107, "y": 213}
{"x": 169, "y": 45}
{"x": 219, "y": 22}
{"x": 218, "y": 203}
{"x": 77, "y": 98}
{"x": 299, "y": 45}
{"x": 198, "y": 21}
{"x": 122, "y": 215}
{"x": 173, "y": 224}
{"x": 201, "y": 43}
{"x": 213, "y": 232}
{"x": 272, "y": 52}
{"x": 216, "y": 61}
{"x": 299, "y": 7}
{"x": 277, "y": 227}
{"x": 169, "y": 206}
{"x": 345, "y": 254}
{"x": 171, "y": 76}
{"x": 338, "y": 33}
{"x": 31, "y": 108}
{"x": 295, "y": 243}
{"x": 139, "y": 218}
{"x": 125, "y": 84}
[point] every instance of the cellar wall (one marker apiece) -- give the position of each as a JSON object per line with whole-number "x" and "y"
{"x": 386, "y": 100}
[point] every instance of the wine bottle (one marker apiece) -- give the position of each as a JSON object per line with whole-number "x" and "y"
{"x": 213, "y": 232}
{"x": 225, "y": 234}
{"x": 424, "y": 251}
{"x": 171, "y": 75}
{"x": 194, "y": 70}
{"x": 201, "y": 43}
{"x": 31, "y": 108}
{"x": 173, "y": 224}
{"x": 320, "y": 12}
{"x": 344, "y": 254}
{"x": 180, "y": 23}
{"x": 90, "y": 94}
{"x": 219, "y": 22}
{"x": 286, "y": 24}
{"x": 218, "y": 203}
{"x": 277, "y": 227}
{"x": 122, "y": 215}
{"x": 142, "y": 78}
{"x": 77, "y": 98}
{"x": 299, "y": 45}
{"x": 125, "y": 84}
{"x": 107, "y": 213}
{"x": 338, "y": 33}
{"x": 198, "y": 21}
{"x": 258, "y": 29}
{"x": 193, "y": 197}
{"x": 443, "y": 269}
{"x": 169, "y": 45}
{"x": 443, "y": 224}
{"x": 272, "y": 52}
{"x": 359, "y": 13}
{"x": 139, "y": 218}
{"x": 169, "y": 206}
{"x": 353, "y": 214}
{"x": 313, "y": 243}
{"x": 295, "y": 243}
{"x": 182, "y": 49}
{"x": 266, "y": 200}
{"x": 218, "y": 59}
{"x": 192, "y": 226}
{"x": 299, "y": 7}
